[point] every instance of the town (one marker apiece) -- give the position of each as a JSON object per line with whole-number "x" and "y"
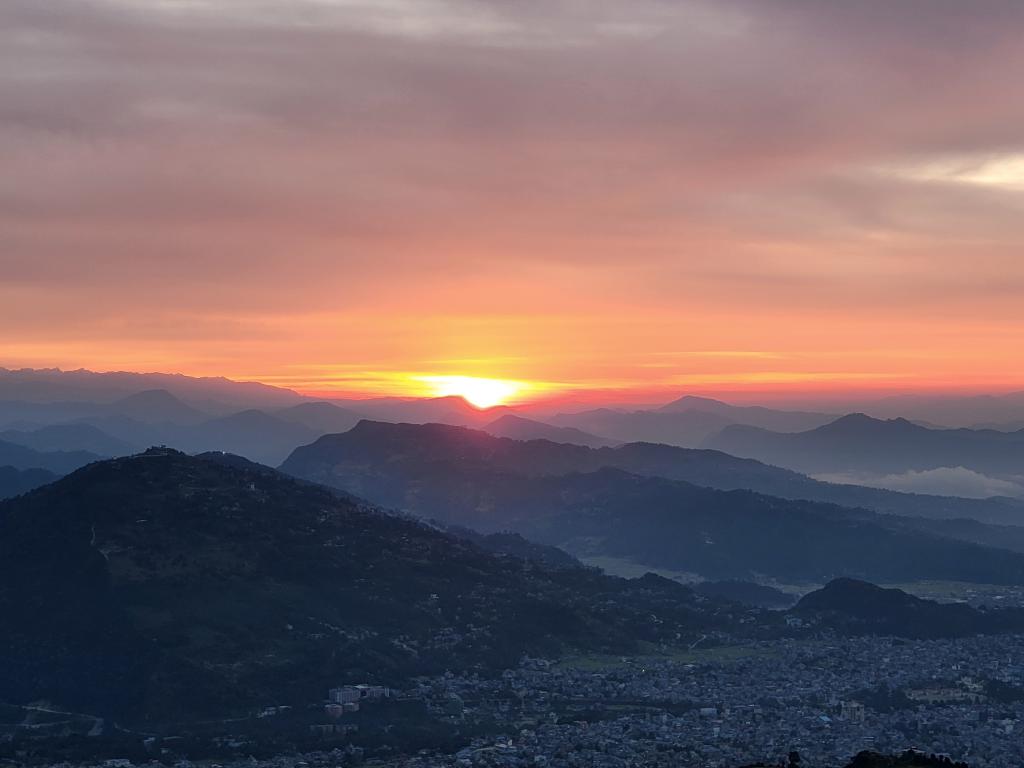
{"x": 726, "y": 706}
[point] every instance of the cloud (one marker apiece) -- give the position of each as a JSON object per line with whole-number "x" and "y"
{"x": 944, "y": 481}
{"x": 682, "y": 164}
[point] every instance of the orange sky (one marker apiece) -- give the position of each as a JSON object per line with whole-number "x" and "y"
{"x": 629, "y": 199}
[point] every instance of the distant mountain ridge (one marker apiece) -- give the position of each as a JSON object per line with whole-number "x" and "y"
{"x": 449, "y": 409}
{"x": 157, "y": 406}
{"x": 519, "y": 428}
{"x": 859, "y": 442}
{"x": 587, "y": 502}
{"x": 14, "y": 482}
{"x": 686, "y": 429}
{"x": 320, "y": 416}
{"x": 58, "y": 462}
{"x": 75, "y": 436}
{"x": 685, "y": 422}
{"x": 753, "y": 415}
{"x": 952, "y": 411}
{"x": 54, "y": 385}
{"x": 156, "y": 417}
{"x": 378, "y": 442}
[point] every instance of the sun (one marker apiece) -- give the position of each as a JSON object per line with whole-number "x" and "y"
{"x": 482, "y": 393}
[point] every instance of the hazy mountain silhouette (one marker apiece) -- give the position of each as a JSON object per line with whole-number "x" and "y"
{"x": 1009, "y": 426}
{"x": 753, "y": 415}
{"x": 686, "y": 422}
{"x": 378, "y": 443}
{"x": 491, "y": 484}
{"x": 58, "y": 462}
{"x": 452, "y": 410}
{"x": 320, "y": 417}
{"x": 163, "y": 587}
{"x": 685, "y": 429}
{"x": 54, "y": 385}
{"x": 70, "y": 437}
{"x": 254, "y": 434}
{"x": 14, "y": 482}
{"x": 519, "y": 428}
{"x": 157, "y": 406}
{"x": 861, "y": 443}
{"x": 950, "y": 411}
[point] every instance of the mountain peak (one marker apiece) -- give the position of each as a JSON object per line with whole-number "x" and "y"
{"x": 517, "y": 427}
{"x": 692, "y": 402}
{"x": 150, "y": 397}
{"x": 156, "y": 406}
{"x": 863, "y": 423}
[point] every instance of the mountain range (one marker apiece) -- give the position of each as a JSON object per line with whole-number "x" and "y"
{"x": 167, "y": 588}
{"x": 59, "y": 462}
{"x": 593, "y": 504}
{"x": 518, "y": 428}
{"x": 210, "y": 394}
{"x": 859, "y": 443}
{"x": 14, "y": 482}
{"x": 79, "y": 436}
{"x": 948, "y": 410}
{"x": 685, "y": 422}
{"x": 157, "y": 417}
{"x": 376, "y": 445}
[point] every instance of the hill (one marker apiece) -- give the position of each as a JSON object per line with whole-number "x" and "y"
{"x": 861, "y": 443}
{"x": 14, "y": 482}
{"x": 163, "y": 587}
{"x": 53, "y": 385}
{"x": 58, "y": 462}
{"x": 551, "y": 493}
{"x": 518, "y": 428}
{"x": 320, "y": 417}
{"x": 257, "y": 435}
{"x": 746, "y": 593}
{"x": 950, "y": 410}
{"x": 375, "y": 444}
{"x": 751, "y": 415}
{"x": 686, "y": 422}
{"x": 157, "y": 406}
{"x": 859, "y": 607}
{"x": 686, "y": 429}
{"x": 70, "y": 437}
{"x": 450, "y": 409}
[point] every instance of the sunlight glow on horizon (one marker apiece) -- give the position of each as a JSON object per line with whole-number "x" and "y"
{"x": 479, "y": 392}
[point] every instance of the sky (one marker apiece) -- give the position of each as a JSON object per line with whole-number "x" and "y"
{"x": 628, "y": 198}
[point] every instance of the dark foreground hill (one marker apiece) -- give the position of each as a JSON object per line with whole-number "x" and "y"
{"x": 858, "y": 607}
{"x": 471, "y": 479}
{"x": 358, "y": 453}
{"x": 163, "y": 587}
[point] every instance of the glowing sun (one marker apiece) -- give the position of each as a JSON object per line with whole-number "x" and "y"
{"x": 483, "y": 393}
